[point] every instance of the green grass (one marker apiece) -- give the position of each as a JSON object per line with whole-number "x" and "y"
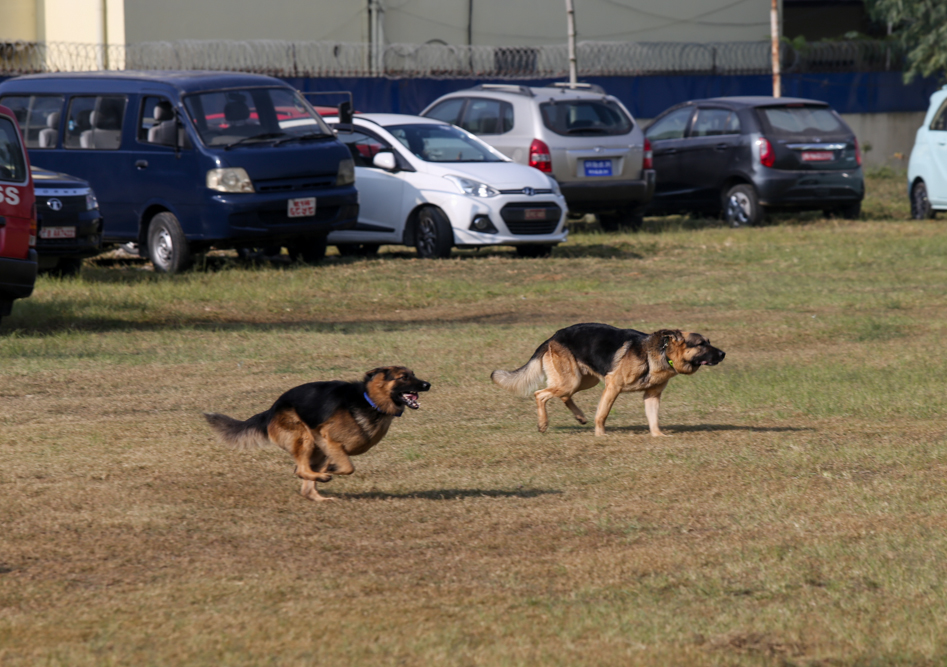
{"x": 796, "y": 516}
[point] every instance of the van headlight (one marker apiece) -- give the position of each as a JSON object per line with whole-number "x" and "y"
{"x": 346, "y": 175}
{"x": 472, "y": 188}
{"x": 232, "y": 179}
{"x": 91, "y": 202}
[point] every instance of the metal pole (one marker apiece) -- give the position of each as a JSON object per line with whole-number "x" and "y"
{"x": 570, "y": 16}
{"x": 774, "y": 33}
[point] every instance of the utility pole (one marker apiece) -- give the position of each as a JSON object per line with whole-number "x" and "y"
{"x": 570, "y": 16}
{"x": 774, "y": 34}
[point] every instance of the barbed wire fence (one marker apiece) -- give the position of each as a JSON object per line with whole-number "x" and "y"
{"x": 346, "y": 59}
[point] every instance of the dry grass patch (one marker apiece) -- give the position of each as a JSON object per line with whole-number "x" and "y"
{"x": 795, "y": 516}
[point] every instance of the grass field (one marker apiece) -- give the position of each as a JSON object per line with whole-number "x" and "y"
{"x": 797, "y": 515}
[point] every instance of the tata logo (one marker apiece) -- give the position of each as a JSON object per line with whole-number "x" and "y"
{"x": 529, "y": 192}
{"x": 54, "y": 204}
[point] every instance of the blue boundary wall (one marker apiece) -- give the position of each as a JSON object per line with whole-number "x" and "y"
{"x": 647, "y": 96}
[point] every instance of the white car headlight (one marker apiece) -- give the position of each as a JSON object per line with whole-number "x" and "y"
{"x": 472, "y": 188}
{"x": 346, "y": 175}
{"x": 233, "y": 179}
{"x": 91, "y": 202}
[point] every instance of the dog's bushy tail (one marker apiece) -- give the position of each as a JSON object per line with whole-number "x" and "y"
{"x": 525, "y": 379}
{"x": 233, "y": 432}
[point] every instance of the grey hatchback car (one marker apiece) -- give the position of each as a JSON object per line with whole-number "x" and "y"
{"x": 587, "y": 140}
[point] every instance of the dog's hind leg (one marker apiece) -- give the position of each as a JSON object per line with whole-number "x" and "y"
{"x": 337, "y": 460}
{"x": 587, "y": 382}
{"x": 289, "y": 432}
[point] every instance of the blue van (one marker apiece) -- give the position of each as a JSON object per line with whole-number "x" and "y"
{"x": 184, "y": 161}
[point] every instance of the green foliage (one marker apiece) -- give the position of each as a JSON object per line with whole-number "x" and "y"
{"x": 921, "y": 27}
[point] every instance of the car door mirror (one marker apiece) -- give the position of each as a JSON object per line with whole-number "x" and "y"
{"x": 385, "y": 160}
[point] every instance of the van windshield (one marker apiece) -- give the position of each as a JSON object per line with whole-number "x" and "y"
{"x": 230, "y": 117}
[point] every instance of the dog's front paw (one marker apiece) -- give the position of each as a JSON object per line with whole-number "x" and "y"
{"x": 323, "y": 477}
{"x": 543, "y": 427}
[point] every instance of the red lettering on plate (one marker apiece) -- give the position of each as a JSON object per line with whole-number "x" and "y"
{"x": 535, "y": 214}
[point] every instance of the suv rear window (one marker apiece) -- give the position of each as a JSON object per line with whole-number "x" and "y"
{"x": 585, "y": 117}
{"x": 795, "y": 120}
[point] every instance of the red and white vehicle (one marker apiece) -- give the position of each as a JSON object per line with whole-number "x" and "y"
{"x": 18, "y": 259}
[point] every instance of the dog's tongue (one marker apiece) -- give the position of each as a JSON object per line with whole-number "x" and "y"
{"x": 411, "y": 400}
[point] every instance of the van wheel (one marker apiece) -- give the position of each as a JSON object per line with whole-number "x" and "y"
{"x": 358, "y": 249}
{"x": 167, "y": 247}
{"x": 434, "y": 236}
{"x": 309, "y": 250}
{"x": 921, "y": 208}
{"x": 741, "y": 206}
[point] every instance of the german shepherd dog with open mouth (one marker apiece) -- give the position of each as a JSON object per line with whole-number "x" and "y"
{"x": 578, "y": 357}
{"x": 322, "y": 424}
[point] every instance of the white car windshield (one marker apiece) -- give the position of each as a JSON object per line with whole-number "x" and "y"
{"x": 230, "y": 117}
{"x": 443, "y": 143}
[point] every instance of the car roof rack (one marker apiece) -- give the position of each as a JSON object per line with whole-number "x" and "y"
{"x": 505, "y": 88}
{"x": 593, "y": 87}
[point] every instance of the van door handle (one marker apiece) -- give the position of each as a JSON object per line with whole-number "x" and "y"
{"x": 669, "y": 151}
{"x": 141, "y": 164}
{"x": 721, "y": 147}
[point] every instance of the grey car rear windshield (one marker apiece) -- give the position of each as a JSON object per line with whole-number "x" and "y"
{"x": 800, "y": 121}
{"x": 585, "y": 118}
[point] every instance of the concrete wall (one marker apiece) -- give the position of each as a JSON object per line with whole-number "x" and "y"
{"x": 886, "y": 138}
{"x": 18, "y": 20}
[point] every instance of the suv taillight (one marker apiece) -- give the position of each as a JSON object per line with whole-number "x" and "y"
{"x": 33, "y": 226}
{"x": 540, "y": 157}
{"x": 858, "y": 153}
{"x": 767, "y": 156}
{"x": 648, "y": 162}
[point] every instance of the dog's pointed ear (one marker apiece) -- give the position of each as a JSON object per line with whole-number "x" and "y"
{"x": 373, "y": 372}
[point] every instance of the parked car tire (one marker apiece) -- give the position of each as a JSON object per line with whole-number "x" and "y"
{"x": 921, "y": 208}
{"x": 310, "y": 250}
{"x": 741, "y": 206}
{"x": 168, "y": 248}
{"x": 628, "y": 220}
{"x": 534, "y": 250}
{"x": 433, "y": 236}
{"x": 358, "y": 249}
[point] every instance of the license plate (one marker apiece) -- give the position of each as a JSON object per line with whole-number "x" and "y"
{"x": 301, "y": 208}
{"x": 57, "y": 233}
{"x": 817, "y": 156}
{"x": 598, "y": 167}
{"x": 535, "y": 214}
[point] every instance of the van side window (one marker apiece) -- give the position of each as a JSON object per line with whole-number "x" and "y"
{"x": 95, "y": 122}
{"x": 12, "y": 167}
{"x": 488, "y": 117}
{"x": 157, "y": 123}
{"x": 38, "y": 116}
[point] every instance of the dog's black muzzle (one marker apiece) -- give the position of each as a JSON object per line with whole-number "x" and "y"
{"x": 711, "y": 357}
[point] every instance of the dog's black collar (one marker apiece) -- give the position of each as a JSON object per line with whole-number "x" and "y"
{"x": 372, "y": 403}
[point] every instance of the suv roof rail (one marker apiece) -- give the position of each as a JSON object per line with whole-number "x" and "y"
{"x": 505, "y": 88}
{"x": 593, "y": 87}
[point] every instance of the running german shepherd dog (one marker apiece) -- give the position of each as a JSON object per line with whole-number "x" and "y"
{"x": 322, "y": 424}
{"x": 577, "y": 357}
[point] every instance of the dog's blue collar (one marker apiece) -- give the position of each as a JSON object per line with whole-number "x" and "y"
{"x": 372, "y": 403}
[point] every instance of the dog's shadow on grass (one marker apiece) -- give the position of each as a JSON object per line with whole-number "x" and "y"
{"x": 448, "y": 494}
{"x": 699, "y": 428}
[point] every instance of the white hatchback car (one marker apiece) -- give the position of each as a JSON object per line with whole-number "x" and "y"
{"x": 927, "y": 168}
{"x": 428, "y": 184}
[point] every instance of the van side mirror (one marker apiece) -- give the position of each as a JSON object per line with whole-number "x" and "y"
{"x": 385, "y": 160}
{"x": 345, "y": 113}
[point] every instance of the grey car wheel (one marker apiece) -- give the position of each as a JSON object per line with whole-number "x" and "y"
{"x": 741, "y": 207}
{"x": 921, "y": 208}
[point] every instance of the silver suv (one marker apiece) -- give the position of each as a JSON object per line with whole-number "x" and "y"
{"x": 584, "y": 138}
